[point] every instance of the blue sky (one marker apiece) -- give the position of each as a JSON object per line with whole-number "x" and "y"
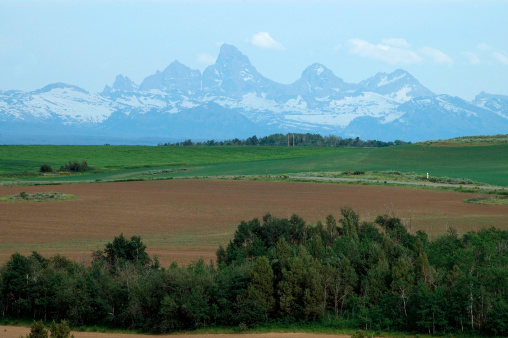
{"x": 452, "y": 47}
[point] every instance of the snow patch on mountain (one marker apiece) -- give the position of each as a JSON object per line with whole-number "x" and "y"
{"x": 386, "y": 80}
{"x": 297, "y": 103}
{"x": 68, "y": 103}
{"x": 445, "y": 103}
{"x": 251, "y": 101}
{"x": 402, "y": 95}
{"x": 189, "y": 104}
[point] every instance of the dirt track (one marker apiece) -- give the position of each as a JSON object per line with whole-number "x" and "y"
{"x": 183, "y": 220}
{"x": 423, "y": 183}
{"x": 15, "y": 331}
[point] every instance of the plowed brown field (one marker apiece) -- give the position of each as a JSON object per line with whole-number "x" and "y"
{"x": 184, "y": 220}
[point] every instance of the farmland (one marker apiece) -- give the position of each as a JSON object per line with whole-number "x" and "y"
{"x": 480, "y": 163}
{"x": 186, "y": 201}
{"x": 183, "y": 220}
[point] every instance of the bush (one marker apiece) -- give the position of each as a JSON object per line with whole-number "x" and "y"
{"x": 38, "y": 330}
{"x": 75, "y": 166}
{"x": 45, "y": 168}
{"x": 61, "y": 330}
{"x": 359, "y": 334}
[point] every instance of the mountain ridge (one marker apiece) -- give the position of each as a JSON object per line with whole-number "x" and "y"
{"x": 232, "y": 93}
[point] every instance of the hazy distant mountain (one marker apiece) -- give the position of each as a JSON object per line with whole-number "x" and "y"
{"x": 495, "y": 103}
{"x": 122, "y": 83}
{"x": 319, "y": 82}
{"x": 437, "y": 117}
{"x": 399, "y": 84}
{"x": 176, "y": 77}
{"x": 231, "y": 99}
{"x": 233, "y": 76}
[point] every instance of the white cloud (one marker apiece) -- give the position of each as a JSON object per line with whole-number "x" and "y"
{"x": 473, "y": 58}
{"x": 264, "y": 40}
{"x": 384, "y": 52}
{"x": 500, "y": 57}
{"x": 436, "y": 55}
{"x": 483, "y": 47}
{"x": 395, "y": 42}
{"x": 206, "y": 59}
{"x": 397, "y": 51}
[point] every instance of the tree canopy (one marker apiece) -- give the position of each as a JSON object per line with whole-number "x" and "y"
{"x": 292, "y": 139}
{"x": 345, "y": 273}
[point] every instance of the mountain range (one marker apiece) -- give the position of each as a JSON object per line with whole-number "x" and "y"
{"x": 232, "y": 99}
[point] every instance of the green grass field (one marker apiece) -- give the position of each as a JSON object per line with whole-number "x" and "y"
{"x": 480, "y": 163}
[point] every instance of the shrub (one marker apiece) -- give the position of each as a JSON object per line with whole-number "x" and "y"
{"x": 61, "y": 330}
{"x": 76, "y": 166}
{"x": 38, "y": 330}
{"x": 359, "y": 334}
{"x": 45, "y": 168}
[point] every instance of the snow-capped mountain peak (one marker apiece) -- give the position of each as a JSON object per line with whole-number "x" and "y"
{"x": 318, "y": 80}
{"x": 231, "y": 99}
{"x": 233, "y": 75}
{"x": 60, "y": 85}
{"x": 398, "y": 83}
{"x": 176, "y": 77}
{"x": 495, "y": 103}
{"x": 122, "y": 83}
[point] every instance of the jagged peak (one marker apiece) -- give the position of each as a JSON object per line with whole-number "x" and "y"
{"x": 177, "y": 69}
{"x": 229, "y": 49}
{"x": 400, "y": 71}
{"x": 229, "y": 53}
{"x": 175, "y": 65}
{"x": 399, "y": 79}
{"x": 124, "y": 83}
{"x": 317, "y": 69}
{"x": 486, "y": 96}
{"x": 382, "y": 78}
{"x": 317, "y": 73}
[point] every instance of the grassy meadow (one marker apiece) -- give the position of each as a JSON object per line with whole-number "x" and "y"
{"x": 480, "y": 163}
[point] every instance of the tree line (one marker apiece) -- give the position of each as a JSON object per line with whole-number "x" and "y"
{"x": 341, "y": 273}
{"x": 293, "y": 139}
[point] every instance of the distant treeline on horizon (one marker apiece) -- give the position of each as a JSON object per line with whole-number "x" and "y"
{"x": 293, "y": 139}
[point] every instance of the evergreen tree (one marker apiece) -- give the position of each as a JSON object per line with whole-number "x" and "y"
{"x": 38, "y": 330}
{"x": 350, "y": 223}
{"x": 314, "y": 298}
{"x": 261, "y": 287}
{"x": 61, "y": 330}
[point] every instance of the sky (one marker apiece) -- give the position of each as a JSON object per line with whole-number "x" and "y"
{"x": 459, "y": 48}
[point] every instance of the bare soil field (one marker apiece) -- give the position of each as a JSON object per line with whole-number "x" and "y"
{"x": 184, "y": 220}
{"x": 16, "y": 331}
